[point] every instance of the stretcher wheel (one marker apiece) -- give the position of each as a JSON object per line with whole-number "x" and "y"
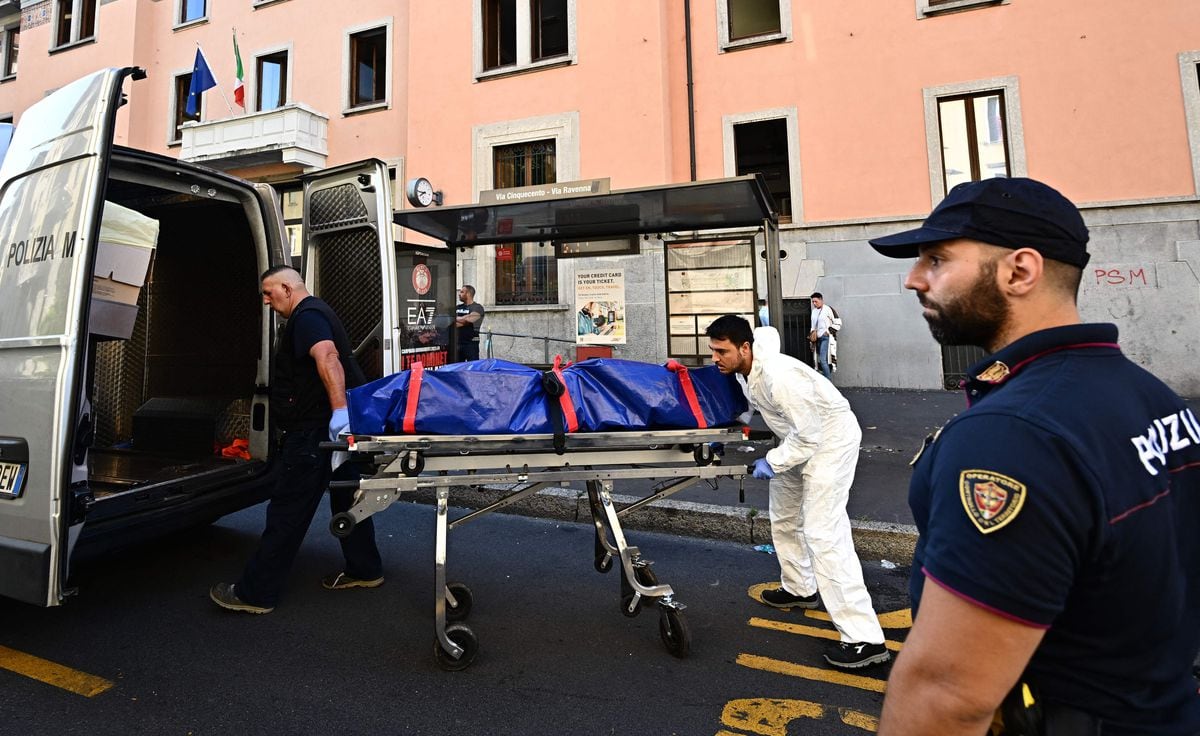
{"x": 704, "y": 455}
{"x": 410, "y": 466}
{"x": 461, "y": 635}
{"x": 341, "y": 525}
{"x": 674, "y": 631}
{"x": 603, "y": 562}
{"x": 462, "y": 595}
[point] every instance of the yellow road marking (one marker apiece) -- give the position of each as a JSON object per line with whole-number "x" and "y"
{"x": 901, "y": 619}
{"x": 80, "y": 683}
{"x": 802, "y": 630}
{"x": 770, "y": 717}
{"x": 859, "y": 720}
{"x": 811, "y": 673}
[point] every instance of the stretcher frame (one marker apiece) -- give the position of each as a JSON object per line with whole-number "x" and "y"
{"x": 527, "y": 464}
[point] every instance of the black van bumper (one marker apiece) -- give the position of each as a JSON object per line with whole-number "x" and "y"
{"x": 24, "y": 570}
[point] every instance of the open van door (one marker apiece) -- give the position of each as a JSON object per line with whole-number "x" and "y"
{"x": 349, "y": 260}
{"x": 51, "y": 185}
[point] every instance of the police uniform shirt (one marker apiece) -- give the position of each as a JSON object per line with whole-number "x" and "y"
{"x": 1067, "y": 497}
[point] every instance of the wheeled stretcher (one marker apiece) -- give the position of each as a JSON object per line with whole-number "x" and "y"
{"x": 528, "y": 463}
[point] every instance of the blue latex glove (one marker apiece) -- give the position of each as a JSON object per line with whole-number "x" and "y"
{"x": 339, "y": 422}
{"x": 718, "y": 448}
{"x": 762, "y": 469}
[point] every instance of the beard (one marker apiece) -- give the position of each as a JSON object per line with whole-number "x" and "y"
{"x": 974, "y": 317}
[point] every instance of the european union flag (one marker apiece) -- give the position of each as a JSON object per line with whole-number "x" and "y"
{"x": 202, "y": 79}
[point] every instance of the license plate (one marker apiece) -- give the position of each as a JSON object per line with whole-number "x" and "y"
{"x": 12, "y": 476}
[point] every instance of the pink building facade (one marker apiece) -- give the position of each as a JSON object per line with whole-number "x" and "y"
{"x": 860, "y": 114}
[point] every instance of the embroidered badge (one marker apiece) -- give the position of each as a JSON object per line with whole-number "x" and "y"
{"x": 994, "y": 373}
{"x": 992, "y": 500}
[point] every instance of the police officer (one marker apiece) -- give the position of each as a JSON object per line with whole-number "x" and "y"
{"x": 313, "y": 366}
{"x": 1056, "y": 580}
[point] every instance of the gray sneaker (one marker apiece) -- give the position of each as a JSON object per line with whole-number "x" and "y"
{"x": 342, "y": 581}
{"x": 853, "y": 655}
{"x": 224, "y": 596}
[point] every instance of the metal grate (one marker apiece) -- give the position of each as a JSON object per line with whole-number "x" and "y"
{"x": 336, "y": 207}
{"x": 957, "y": 361}
{"x": 797, "y": 315}
{"x": 349, "y": 279}
{"x": 118, "y": 381}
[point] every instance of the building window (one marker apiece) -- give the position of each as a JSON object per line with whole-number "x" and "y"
{"x": 974, "y": 143}
{"x": 761, "y": 147}
{"x": 368, "y": 67}
{"x": 12, "y": 42}
{"x": 183, "y": 85}
{"x": 75, "y": 20}
{"x": 749, "y": 18}
{"x": 1189, "y": 77}
{"x": 191, "y": 11}
{"x": 513, "y": 34}
{"x": 926, "y": 8}
{"x": 549, "y": 29}
{"x": 767, "y": 142}
{"x": 526, "y": 273}
{"x": 753, "y": 22}
{"x": 973, "y": 131}
{"x": 271, "y": 73}
{"x": 292, "y": 199}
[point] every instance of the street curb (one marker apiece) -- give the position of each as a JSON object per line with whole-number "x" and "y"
{"x": 873, "y": 540}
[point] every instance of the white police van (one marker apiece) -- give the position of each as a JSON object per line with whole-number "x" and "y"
{"x": 113, "y": 429}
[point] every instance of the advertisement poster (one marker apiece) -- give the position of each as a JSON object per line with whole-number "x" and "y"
{"x": 600, "y": 307}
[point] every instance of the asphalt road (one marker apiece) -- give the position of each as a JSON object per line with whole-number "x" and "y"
{"x": 556, "y": 656}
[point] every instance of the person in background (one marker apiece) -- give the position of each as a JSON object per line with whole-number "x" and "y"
{"x": 820, "y": 319}
{"x": 468, "y": 318}
{"x": 810, "y": 475}
{"x": 1056, "y": 578}
{"x": 313, "y": 366}
{"x": 764, "y": 314}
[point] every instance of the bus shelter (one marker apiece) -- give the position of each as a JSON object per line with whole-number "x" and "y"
{"x": 690, "y": 214}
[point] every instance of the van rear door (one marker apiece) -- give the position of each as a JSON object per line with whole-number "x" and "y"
{"x": 51, "y": 184}
{"x": 349, "y": 260}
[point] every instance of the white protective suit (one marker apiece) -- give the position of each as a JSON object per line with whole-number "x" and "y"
{"x": 814, "y": 468}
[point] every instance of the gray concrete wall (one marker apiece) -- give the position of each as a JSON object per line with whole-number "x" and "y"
{"x": 1144, "y": 276}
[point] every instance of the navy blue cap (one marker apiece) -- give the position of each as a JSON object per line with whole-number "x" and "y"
{"x": 1012, "y": 213}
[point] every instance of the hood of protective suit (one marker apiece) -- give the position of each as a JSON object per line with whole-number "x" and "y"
{"x": 766, "y": 342}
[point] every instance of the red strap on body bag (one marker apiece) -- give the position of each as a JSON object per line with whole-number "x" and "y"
{"x": 414, "y": 395}
{"x": 689, "y": 391}
{"x": 568, "y": 406}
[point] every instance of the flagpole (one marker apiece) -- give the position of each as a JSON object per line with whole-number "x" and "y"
{"x": 223, "y": 97}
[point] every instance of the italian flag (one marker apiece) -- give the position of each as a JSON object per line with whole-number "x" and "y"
{"x": 239, "y": 89}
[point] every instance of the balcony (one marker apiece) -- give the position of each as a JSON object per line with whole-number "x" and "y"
{"x": 293, "y": 134}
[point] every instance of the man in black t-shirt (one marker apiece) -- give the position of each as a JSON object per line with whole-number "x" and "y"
{"x": 468, "y": 318}
{"x": 312, "y": 368}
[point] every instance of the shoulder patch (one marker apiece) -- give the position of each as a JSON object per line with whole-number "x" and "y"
{"x": 992, "y": 500}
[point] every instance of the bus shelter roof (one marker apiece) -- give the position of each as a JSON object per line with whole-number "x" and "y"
{"x": 740, "y": 201}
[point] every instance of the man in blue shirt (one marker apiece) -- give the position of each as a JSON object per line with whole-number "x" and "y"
{"x": 1056, "y": 580}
